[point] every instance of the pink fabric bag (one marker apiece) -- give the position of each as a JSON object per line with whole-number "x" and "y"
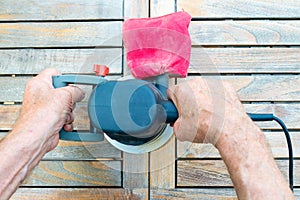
{"x": 158, "y": 45}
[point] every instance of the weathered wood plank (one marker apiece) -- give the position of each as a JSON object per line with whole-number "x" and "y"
{"x": 159, "y": 8}
{"x": 74, "y": 173}
{"x": 125, "y": 194}
{"x": 135, "y": 172}
{"x": 162, "y": 166}
{"x": 32, "y": 61}
{"x": 289, "y": 113}
{"x": 250, "y": 88}
{"x": 245, "y": 60}
{"x": 78, "y": 193}
{"x": 62, "y": 34}
{"x": 10, "y": 113}
{"x": 199, "y": 193}
{"x": 15, "y": 94}
{"x": 193, "y": 194}
{"x": 199, "y": 173}
{"x": 67, "y": 150}
{"x": 276, "y": 141}
{"x": 253, "y": 32}
{"x": 241, "y": 9}
{"x": 60, "y": 10}
{"x": 262, "y": 87}
{"x": 203, "y": 60}
{"x": 136, "y": 8}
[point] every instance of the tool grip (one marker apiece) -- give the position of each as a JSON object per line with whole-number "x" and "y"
{"x": 171, "y": 111}
{"x": 64, "y": 80}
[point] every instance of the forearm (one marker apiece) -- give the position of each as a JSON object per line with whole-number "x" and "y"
{"x": 20, "y": 151}
{"x": 250, "y": 163}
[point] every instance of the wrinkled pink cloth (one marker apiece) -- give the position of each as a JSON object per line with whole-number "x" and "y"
{"x": 158, "y": 45}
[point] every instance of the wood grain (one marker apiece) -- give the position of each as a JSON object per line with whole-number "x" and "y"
{"x": 240, "y": 9}
{"x": 199, "y": 193}
{"x": 60, "y": 10}
{"x": 74, "y": 173}
{"x": 15, "y": 94}
{"x": 200, "y": 173}
{"x": 250, "y": 88}
{"x": 276, "y": 141}
{"x": 136, "y": 8}
{"x": 244, "y": 60}
{"x": 68, "y": 150}
{"x": 260, "y": 87}
{"x": 32, "y": 61}
{"x": 78, "y": 193}
{"x": 162, "y": 166}
{"x": 62, "y": 34}
{"x": 289, "y": 113}
{"x": 159, "y": 8}
{"x": 254, "y": 32}
{"x": 194, "y": 194}
{"x": 136, "y": 173}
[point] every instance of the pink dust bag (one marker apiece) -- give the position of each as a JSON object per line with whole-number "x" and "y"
{"x": 158, "y": 45}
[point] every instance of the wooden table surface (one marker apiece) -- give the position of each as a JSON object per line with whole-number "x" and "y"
{"x": 252, "y": 44}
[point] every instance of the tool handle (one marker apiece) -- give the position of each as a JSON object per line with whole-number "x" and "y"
{"x": 171, "y": 111}
{"x": 64, "y": 80}
{"x": 80, "y": 136}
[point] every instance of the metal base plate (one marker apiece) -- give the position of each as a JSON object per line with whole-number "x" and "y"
{"x": 152, "y": 145}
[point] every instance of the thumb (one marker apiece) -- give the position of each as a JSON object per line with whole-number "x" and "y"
{"x": 77, "y": 93}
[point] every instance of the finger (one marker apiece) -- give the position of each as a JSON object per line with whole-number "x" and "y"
{"x": 48, "y": 73}
{"x": 176, "y": 128}
{"x": 77, "y": 93}
{"x": 70, "y": 118}
{"x": 68, "y": 127}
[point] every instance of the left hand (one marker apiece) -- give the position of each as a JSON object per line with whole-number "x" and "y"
{"x": 46, "y": 109}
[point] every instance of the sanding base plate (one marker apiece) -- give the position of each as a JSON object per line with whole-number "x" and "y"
{"x": 152, "y": 145}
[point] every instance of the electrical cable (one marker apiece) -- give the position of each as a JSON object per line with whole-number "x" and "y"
{"x": 271, "y": 117}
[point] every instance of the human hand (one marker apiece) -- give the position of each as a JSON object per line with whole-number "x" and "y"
{"x": 207, "y": 107}
{"x": 46, "y": 110}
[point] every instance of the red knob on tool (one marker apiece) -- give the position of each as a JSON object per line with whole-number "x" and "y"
{"x": 101, "y": 70}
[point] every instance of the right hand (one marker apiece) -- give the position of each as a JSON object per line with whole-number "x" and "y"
{"x": 207, "y": 107}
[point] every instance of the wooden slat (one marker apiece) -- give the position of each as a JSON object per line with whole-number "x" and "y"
{"x": 77, "y": 193}
{"x": 245, "y": 60}
{"x": 197, "y": 173}
{"x": 276, "y": 141}
{"x": 249, "y": 88}
{"x": 136, "y": 172}
{"x": 67, "y": 150}
{"x": 71, "y": 173}
{"x": 136, "y": 8}
{"x": 200, "y": 193}
{"x": 194, "y": 194}
{"x": 289, "y": 113}
{"x": 32, "y": 61}
{"x": 262, "y": 87}
{"x": 241, "y": 9}
{"x": 159, "y": 8}
{"x": 125, "y": 194}
{"x": 14, "y": 10}
{"x": 15, "y": 94}
{"x": 162, "y": 166}
{"x": 254, "y": 32}
{"x": 62, "y": 34}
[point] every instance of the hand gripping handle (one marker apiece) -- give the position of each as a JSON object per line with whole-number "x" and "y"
{"x": 64, "y": 80}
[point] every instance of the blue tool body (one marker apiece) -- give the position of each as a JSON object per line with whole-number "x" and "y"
{"x": 131, "y": 111}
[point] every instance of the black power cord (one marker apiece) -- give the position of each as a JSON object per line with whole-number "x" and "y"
{"x": 271, "y": 117}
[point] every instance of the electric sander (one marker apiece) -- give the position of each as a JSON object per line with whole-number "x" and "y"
{"x": 134, "y": 115}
